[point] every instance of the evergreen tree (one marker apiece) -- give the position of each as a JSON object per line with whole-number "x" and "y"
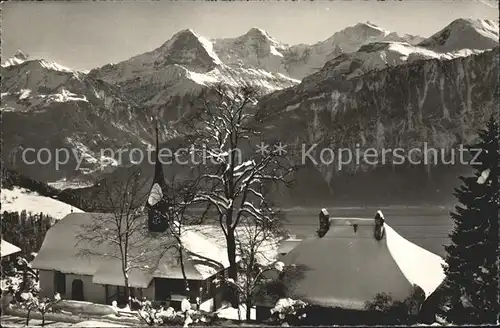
{"x": 471, "y": 286}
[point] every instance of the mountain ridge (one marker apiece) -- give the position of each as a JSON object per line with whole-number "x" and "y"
{"x": 114, "y": 103}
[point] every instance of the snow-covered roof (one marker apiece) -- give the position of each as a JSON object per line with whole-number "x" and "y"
{"x": 155, "y": 195}
{"x": 159, "y": 255}
{"x": 288, "y": 244}
{"x": 349, "y": 267}
{"x": 7, "y": 249}
{"x": 19, "y": 199}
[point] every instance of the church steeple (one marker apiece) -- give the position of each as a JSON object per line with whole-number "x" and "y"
{"x": 156, "y": 205}
{"x": 158, "y": 177}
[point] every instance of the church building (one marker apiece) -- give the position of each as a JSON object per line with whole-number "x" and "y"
{"x": 202, "y": 259}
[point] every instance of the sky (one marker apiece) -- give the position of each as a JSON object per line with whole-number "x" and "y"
{"x": 84, "y": 34}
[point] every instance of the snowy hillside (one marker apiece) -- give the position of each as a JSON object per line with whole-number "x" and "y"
{"x": 464, "y": 34}
{"x": 19, "y": 199}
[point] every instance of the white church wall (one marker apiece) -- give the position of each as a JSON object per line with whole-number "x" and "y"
{"x": 91, "y": 292}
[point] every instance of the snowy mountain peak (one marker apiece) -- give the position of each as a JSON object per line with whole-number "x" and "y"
{"x": 184, "y": 34}
{"x": 257, "y": 33}
{"x": 464, "y": 33}
{"x": 256, "y": 49}
{"x": 366, "y": 29}
{"x": 188, "y": 48}
{"x": 483, "y": 26}
{"x": 350, "y": 39}
{"x": 371, "y": 26}
{"x": 52, "y": 65}
{"x": 18, "y": 58}
{"x": 255, "y": 37}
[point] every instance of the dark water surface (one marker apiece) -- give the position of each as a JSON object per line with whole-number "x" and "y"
{"x": 427, "y": 227}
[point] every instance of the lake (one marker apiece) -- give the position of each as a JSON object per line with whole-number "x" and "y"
{"x": 427, "y": 227}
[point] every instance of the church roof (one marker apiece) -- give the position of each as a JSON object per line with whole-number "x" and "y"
{"x": 205, "y": 255}
{"x": 159, "y": 256}
{"x": 348, "y": 267}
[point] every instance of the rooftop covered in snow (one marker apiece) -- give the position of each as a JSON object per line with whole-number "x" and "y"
{"x": 158, "y": 256}
{"x": 348, "y": 266}
{"x": 7, "y": 249}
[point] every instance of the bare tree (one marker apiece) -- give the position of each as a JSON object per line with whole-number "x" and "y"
{"x": 179, "y": 198}
{"x": 119, "y": 233}
{"x": 256, "y": 241}
{"x": 225, "y": 131}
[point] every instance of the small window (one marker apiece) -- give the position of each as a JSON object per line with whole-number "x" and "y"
{"x": 60, "y": 282}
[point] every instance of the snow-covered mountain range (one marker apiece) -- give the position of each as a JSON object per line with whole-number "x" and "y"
{"x": 332, "y": 85}
{"x": 434, "y": 103}
{"x": 189, "y": 61}
{"x": 45, "y": 105}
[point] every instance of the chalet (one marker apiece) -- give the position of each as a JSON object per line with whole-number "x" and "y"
{"x": 349, "y": 265}
{"x": 80, "y": 270}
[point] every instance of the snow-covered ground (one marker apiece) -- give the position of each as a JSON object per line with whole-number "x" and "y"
{"x": 12, "y": 321}
{"x": 232, "y": 313}
{"x": 19, "y": 199}
{"x": 93, "y": 323}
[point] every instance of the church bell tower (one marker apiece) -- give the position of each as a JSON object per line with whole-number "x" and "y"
{"x": 157, "y": 205}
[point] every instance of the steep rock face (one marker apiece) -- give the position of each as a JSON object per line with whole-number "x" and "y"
{"x": 256, "y": 48}
{"x": 438, "y": 103}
